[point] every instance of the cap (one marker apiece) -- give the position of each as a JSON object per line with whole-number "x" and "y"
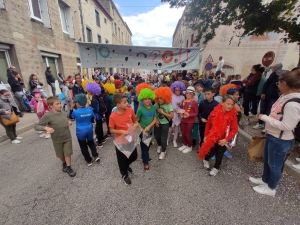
{"x": 278, "y": 66}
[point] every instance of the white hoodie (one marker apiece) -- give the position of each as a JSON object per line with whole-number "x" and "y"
{"x": 291, "y": 117}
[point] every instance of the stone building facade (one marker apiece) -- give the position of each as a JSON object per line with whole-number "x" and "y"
{"x": 239, "y": 54}
{"x": 40, "y": 33}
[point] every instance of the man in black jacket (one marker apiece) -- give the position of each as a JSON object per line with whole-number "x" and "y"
{"x": 15, "y": 82}
{"x": 50, "y": 80}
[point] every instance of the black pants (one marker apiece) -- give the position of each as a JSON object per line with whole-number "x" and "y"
{"x": 107, "y": 115}
{"x": 201, "y": 132}
{"x": 125, "y": 162}
{"x": 85, "y": 151}
{"x": 266, "y": 106}
{"x": 161, "y": 135}
{"x": 250, "y": 98}
{"x": 99, "y": 130}
{"x": 217, "y": 150}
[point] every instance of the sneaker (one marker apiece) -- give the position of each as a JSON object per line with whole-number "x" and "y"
{"x": 167, "y": 142}
{"x": 47, "y": 136}
{"x": 264, "y": 131}
{"x": 71, "y": 172}
{"x": 264, "y": 190}
{"x": 42, "y": 135}
{"x": 297, "y": 166}
{"x": 206, "y": 164}
{"x": 146, "y": 167}
{"x": 100, "y": 145}
{"x": 89, "y": 164}
{"x": 129, "y": 169}
{"x": 258, "y": 126}
{"x": 107, "y": 136}
{"x": 97, "y": 159}
{"x": 64, "y": 167}
{"x": 21, "y": 115}
{"x": 19, "y": 138}
{"x": 182, "y": 148}
{"x": 158, "y": 150}
{"x": 175, "y": 144}
{"x": 213, "y": 172}
{"x": 39, "y": 132}
{"x": 247, "y": 122}
{"x": 127, "y": 180}
{"x": 187, "y": 150}
{"x": 162, "y": 155}
{"x": 16, "y": 141}
{"x": 250, "y": 114}
{"x": 258, "y": 181}
{"x": 228, "y": 155}
{"x": 298, "y": 159}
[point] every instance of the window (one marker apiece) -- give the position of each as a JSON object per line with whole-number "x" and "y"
{"x": 122, "y": 36}
{"x": 89, "y": 34}
{"x": 2, "y": 6}
{"x": 35, "y": 9}
{"x": 97, "y": 18}
{"x": 106, "y": 41}
{"x": 119, "y": 32}
{"x": 99, "y": 38}
{"x": 50, "y": 60}
{"x": 63, "y": 18}
{"x": 192, "y": 40}
{"x": 105, "y": 20}
{"x": 39, "y": 11}
{"x": 4, "y": 63}
{"x": 66, "y": 19}
{"x": 115, "y": 29}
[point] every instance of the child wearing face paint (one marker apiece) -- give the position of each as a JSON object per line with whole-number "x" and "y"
{"x": 215, "y": 139}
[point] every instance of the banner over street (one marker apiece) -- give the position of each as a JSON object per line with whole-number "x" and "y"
{"x": 124, "y": 56}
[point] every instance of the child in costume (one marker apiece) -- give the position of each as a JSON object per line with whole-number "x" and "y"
{"x": 163, "y": 98}
{"x": 188, "y": 113}
{"x": 41, "y": 108}
{"x": 221, "y": 119}
{"x": 146, "y": 115}
{"x": 94, "y": 91}
{"x": 84, "y": 128}
{"x": 177, "y": 98}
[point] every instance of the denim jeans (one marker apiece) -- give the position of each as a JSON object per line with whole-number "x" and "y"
{"x": 144, "y": 150}
{"x": 275, "y": 150}
{"x": 20, "y": 96}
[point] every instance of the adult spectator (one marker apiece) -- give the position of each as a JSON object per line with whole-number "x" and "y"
{"x": 209, "y": 81}
{"x": 50, "y": 80}
{"x": 77, "y": 88}
{"x": 184, "y": 75}
{"x": 220, "y": 66}
{"x": 35, "y": 83}
{"x": 251, "y": 85}
{"x": 223, "y": 78}
{"x": 60, "y": 79}
{"x": 179, "y": 77}
{"x": 236, "y": 81}
{"x": 15, "y": 81}
{"x": 195, "y": 78}
{"x": 217, "y": 85}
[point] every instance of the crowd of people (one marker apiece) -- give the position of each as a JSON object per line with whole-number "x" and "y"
{"x": 204, "y": 109}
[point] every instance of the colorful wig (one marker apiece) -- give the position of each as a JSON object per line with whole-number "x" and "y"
{"x": 93, "y": 88}
{"x": 146, "y": 93}
{"x": 165, "y": 93}
{"x": 141, "y": 87}
{"x": 226, "y": 87}
{"x": 85, "y": 82}
{"x": 117, "y": 83}
{"x": 178, "y": 84}
{"x": 110, "y": 88}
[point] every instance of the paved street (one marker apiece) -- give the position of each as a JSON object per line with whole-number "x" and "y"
{"x": 34, "y": 190}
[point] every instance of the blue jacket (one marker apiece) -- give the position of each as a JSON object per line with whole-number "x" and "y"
{"x": 84, "y": 127}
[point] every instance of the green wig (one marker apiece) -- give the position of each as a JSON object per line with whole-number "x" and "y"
{"x": 81, "y": 99}
{"x": 146, "y": 93}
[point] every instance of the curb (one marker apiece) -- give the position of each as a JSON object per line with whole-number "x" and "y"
{"x": 19, "y": 131}
{"x": 287, "y": 165}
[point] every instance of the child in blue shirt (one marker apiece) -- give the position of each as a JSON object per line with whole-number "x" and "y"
{"x": 84, "y": 128}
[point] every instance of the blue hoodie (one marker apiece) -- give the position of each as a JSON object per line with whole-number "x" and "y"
{"x": 84, "y": 127}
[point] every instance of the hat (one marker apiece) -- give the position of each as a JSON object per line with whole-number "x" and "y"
{"x": 278, "y": 66}
{"x": 190, "y": 89}
{"x": 81, "y": 99}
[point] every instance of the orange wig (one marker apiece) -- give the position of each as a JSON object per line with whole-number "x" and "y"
{"x": 165, "y": 93}
{"x": 141, "y": 87}
{"x": 225, "y": 88}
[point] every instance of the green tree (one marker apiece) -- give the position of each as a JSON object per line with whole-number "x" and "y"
{"x": 250, "y": 17}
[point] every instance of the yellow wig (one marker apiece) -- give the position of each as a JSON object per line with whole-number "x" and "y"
{"x": 110, "y": 88}
{"x": 165, "y": 93}
{"x": 84, "y": 83}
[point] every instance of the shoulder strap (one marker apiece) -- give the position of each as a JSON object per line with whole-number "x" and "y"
{"x": 282, "y": 111}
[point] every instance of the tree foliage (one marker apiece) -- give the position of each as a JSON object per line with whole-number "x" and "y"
{"x": 250, "y": 17}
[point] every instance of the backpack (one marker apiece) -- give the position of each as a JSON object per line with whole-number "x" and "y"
{"x": 103, "y": 108}
{"x": 297, "y": 128}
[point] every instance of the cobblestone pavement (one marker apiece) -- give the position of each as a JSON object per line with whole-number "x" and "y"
{"x": 34, "y": 190}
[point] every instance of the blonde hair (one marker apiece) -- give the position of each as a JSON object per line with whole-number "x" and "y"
{"x": 52, "y": 99}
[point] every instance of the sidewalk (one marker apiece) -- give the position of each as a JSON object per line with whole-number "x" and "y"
{"x": 26, "y": 123}
{"x": 248, "y": 132}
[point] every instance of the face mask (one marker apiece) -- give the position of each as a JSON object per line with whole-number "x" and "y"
{"x": 6, "y": 99}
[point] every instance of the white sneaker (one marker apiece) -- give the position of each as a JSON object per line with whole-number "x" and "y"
{"x": 182, "y": 148}
{"x": 162, "y": 155}
{"x": 250, "y": 114}
{"x": 258, "y": 126}
{"x": 167, "y": 142}
{"x": 206, "y": 164}
{"x": 19, "y": 138}
{"x": 187, "y": 150}
{"x": 264, "y": 131}
{"x": 16, "y": 141}
{"x": 258, "y": 181}
{"x": 158, "y": 150}
{"x": 213, "y": 172}
{"x": 298, "y": 159}
{"x": 42, "y": 135}
{"x": 89, "y": 164}
{"x": 264, "y": 190}
{"x": 39, "y": 132}
{"x": 47, "y": 136}
{"x": 297, "y": 166}
{"x": 247, "y": 122}
{"x": 175, "y": 144}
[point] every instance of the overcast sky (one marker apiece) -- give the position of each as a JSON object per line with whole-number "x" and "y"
{"x": 151, "y": 22}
